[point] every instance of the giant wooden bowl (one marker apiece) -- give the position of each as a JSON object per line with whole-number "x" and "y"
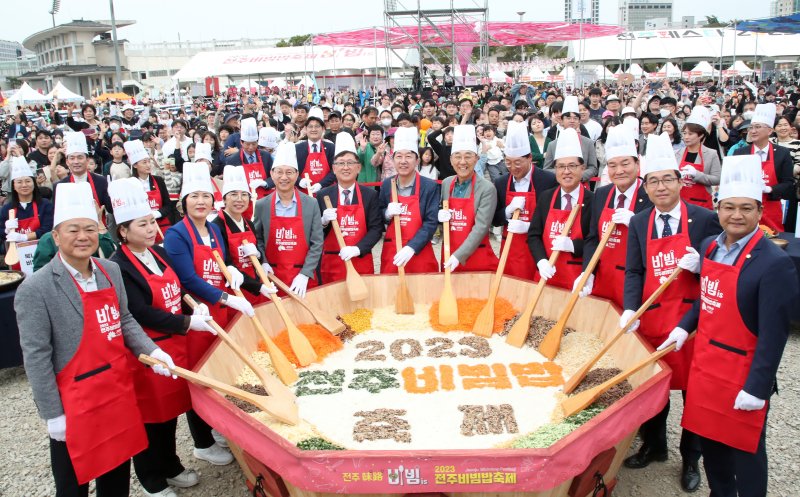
{"x": 566, "y": 468}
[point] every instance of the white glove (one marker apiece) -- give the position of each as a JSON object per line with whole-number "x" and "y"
{"x": 200, "y": 310}
{"x": 393, "y": 209}
{"x": 745, "y": 402}
{"x": 677, "y": 336}
{"x": 249, "y": 249}
{"x": 765, "y": 188}
{"x": 328, "y": 215}
{"x": 315, "y": 187}
{"x": 267, "y": 268}
{"x": 57, "y": 428}
{"x": 688, "y": 171}
{"x": 299, "y": 285}
{"x": 217, "y": 207}
{"x": 563, "y": 244}
{"x": 240, "y": 304}
{"x": 626, "y": 316}
{"x": 690, "y": 261}
{"x": 257, "y": 183}
{"x": 546, "y": 271}
{"x": 237, "y": 278}
{"x": 517, "y": 203}
{"x": 622, "y": 216}
{"x": 349, "y": 252}
{"x": 200, "y": 323}
{"x": 518, "y": 227}
{"x": 304, "y": 183}
{"x": 162, "y": 356}
{"x": 444, "y": 215}
{"x": 16, "y": 237}
{"x": 12, "y": 224}
{"x": 587, "y": 288}
{"x": 268, "y": 290}
{"x": 401, "y": 258}
{"x": 452, "y": 263}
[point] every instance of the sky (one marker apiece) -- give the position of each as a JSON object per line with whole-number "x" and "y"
{"x": 204, "y": 20}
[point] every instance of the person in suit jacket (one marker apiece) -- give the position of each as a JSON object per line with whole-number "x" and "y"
{"x": 74, "y": 324}
{"x": 315, "y": 155}
{"x": 617, "y": 203}
{"x": 356, "y": 208}
{"x": 749, "y": 287}
{"x": 571, "y": 119}
{"x": 700, "y": 165}
{"x": 19, "y": 128}
{"x": 776, "y": 164}
{"x": 77, "y": 162}
{"x": 288, "y": 226}
{"x": 472, "y": 202}
{"x": 257, "y": 163}
{"x": 659, "y": 239}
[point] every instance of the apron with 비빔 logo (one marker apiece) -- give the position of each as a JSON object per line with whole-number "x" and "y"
{"x": 25, "y": 226}
{"x": 353, "y": 223}
{"x": 568, "y": 267}
{"x": 316, "y": 166}
{"x": 773, "y": 212}
{"x": 723, "y": 355}
{"x": 662, "y": 256}
{"x": 161, "y": 398}
{"x": 520, "y": 262}
{"x": 410, "y": 223}
{"x": 104, "y": 424}
{"x": 242, "y": 262}
{"x": 287, "y": 246}
{"x": 154, "y": 199}
{"x": 461, "y": 223}
{"x": 696, "y": 193}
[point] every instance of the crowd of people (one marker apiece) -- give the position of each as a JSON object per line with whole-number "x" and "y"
{"x": 137, "y": 208}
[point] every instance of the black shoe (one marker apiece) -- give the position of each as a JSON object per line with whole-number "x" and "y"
{"x": 644, "y": 457}
{"x": 690, "y": 477}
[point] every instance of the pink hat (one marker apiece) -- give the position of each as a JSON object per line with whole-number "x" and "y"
{"x": 608, "y": 113}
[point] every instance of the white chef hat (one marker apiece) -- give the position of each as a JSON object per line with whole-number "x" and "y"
{"x": 249, "y": 130}
{"x": 741, "y": 177}
{"x": 268, "y": 138}
{"x": 517, "y": 142}
{"x": 570, "y": 105}
{"x": 568, "y": 144}
{"x": 632, "y": 125}
{"x": 202, "y": 150}
{"x": 196, "y": 178}
{"x": 316, "y": 113}
{"x": 74, "y": 201}
{"x": 463, "y": 139}
{"x": 406, "y": 139}
{"x": 620, "y": 143}
{"x": 345, "y": 143}
{"x": 700, "y": 115}
{"x": 128, "y": 199}
{"x": 764, "y": 114}
{"x": 285, "y": 155}
{"x": 76, "y": 143}
{"x": 234, "y": 180}
{"x": 20, "y": 168}
{"x": 660, "y": 156}
{"x": 135, "y": 151}
{"x": 127, "y": 107}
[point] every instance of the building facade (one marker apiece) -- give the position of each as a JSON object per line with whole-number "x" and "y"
{"x": 784, "y": 7}
{"x": 582, "y": 11}
{"x": 634, "y": 14}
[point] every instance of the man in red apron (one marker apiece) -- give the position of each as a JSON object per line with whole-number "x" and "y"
{"x": 315, "y": 155}
{"x": 288, "y": 226}
{"x": 356, "y": 209}
{"x": 658, "y": 239}
{"x": 748, "y": 288}
{"x": 776, "y": 167}
{"x": 77, "y": 337}
{"x": 616, "y": 203}
{"x": 417, "y": 206}
{"x": 256, "y": 163}
{"x": 700, "y": 166}
{"x": 518, "y": 191}
{"x": 78, "y": 164}
{"x": 552, "y": 210}
{"x": 156, "y": 189}
{"x": 472, "y": 202}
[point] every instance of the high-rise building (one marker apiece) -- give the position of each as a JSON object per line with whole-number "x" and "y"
{"x": 784, "y": 7}
{"x": 12, "y": 50}
{"x": 634, "y": 13}
{"x": 582, "y": 11}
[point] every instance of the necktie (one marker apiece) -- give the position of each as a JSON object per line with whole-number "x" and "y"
{"x": 346, "y": 194}
{"x": 763, "y": 155}
{"x": 568, "y": 203}
{"x": 251, "y": 159}
{"x": 314, "y": 148}
{"x": 666, "y": 231}
{"x": 621, "y": 201}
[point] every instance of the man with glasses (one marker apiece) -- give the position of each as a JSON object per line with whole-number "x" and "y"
{"x": 315, "y": 155}
{"x": 661, "y": 239}
{"x": 356, "y": 208}
{"x": 571, "y": 119}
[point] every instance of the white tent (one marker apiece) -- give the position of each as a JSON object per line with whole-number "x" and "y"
{"x": 533, "y": 73}
{"x": 568, "y": 73}
{"x": 602, "y": 73}
{"x": 498, "y": 76}
{"x": 63, "y": 93}
{"x": 669, "y": 70}
{"x": 703, "y": 70}
{"x": 28, "y": 94}
{"x": 279, "y": 82}
{"x": 618, "y": 71}
{"x": 636, "y": 70}
{"x": 741, "y": 68}
{"x": 305, "y": 81}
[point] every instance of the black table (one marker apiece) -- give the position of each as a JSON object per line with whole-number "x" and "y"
{"x": 793, "y": 251}
{"x": 10, "y": 352}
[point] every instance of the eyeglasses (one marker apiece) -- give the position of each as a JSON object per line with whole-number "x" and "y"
{"x": 350, "y": 163}
{"x": 238, "y": 196}
{"x": 654, "y": 182}
{"x": 758, "y": 127}
{"x": 569, "y": 167}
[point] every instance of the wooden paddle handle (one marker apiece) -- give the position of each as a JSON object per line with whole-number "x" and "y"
{"x": 565, "y": 232}
{"x": 192, "y": 303}
{"x": 655, "y": 356}
{"x": 596, "y": 256}
{"x": 224, "y": 270}
{"x": 446, "y": 234}
{"x": 337, "y": 230}
{"x": 398, "y": 241}
{"x": 308, "y": 178}
{"x": 12, "y": 214}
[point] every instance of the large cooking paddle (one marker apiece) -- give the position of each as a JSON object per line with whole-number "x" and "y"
{"x": 448, "y": 306}
{"x": 308, "y": 178}
{"x": 327, "y": 321}
{"x": 519, "y": 332}
{"x": 576, "y": 378}
{"x": 356, "y": 287}
{"x": 12, "y": 257}
{"x": 552, "y": 341}
{"x": 303, "y": 356}
{"x": 279, "y": 404}
{"x": 577, "y": 403}
{"x": 484, "y": 323}
{"x": 404, "y": 302}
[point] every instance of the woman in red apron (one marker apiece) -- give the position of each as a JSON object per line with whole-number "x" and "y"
{"x": 462, "y": 221}
{"x": 520, "y": 262}
{"x": 33, "y": 215}
{"x": 157, "y": 193}
{"x": 353, "y": 223}
{"x": 697, "y": 176}
{"x": 568, "y": 266}
{"x": 286, "y": 244}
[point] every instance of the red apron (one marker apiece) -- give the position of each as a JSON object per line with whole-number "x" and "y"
{"x": 154, "y": 198}
{"x": 461, "y": 223}
{"x": 723, "y": 354}
{"x": 287, "y": 246}
{"x": 91, "y": 183}
{"x": 255, "y": 172}
{"x": 520, "y": 262}
{"x": 610, "y": 273}
{"x": 206, "y": 267}
{"x": 160, "y": 397}
{"x": 568, "y": 267}
{"x": 410, "y": 223}
{"x": 696, "y": 193}
{"x": 242, "y": 262}
{"x": 104, "y": 425}
{"x": 316, "y": 165}
{"x": 353, "y": 223}
{"x": 27, "y": 225}
{"x": 662, "y": 256}
{"x": 773, "y": 211}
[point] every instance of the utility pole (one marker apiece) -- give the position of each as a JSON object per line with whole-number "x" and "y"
{"x": 118, "y": 70}
{"x": 521, "y": 47}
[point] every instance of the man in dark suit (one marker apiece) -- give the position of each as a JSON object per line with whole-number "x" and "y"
{"x": 658, "y": 240}
{"x": 77, "y": 154}
{"x": 315, "y": 155}
{"x": 742, "y": 319}
{"x": 18, "y": 127}
{"x": 257, "y": 163}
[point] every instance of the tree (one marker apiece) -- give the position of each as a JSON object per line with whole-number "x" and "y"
{"x": 13, "y": 83}
{"x": 714, "y": 22}
{"x": 294, "y": 41}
